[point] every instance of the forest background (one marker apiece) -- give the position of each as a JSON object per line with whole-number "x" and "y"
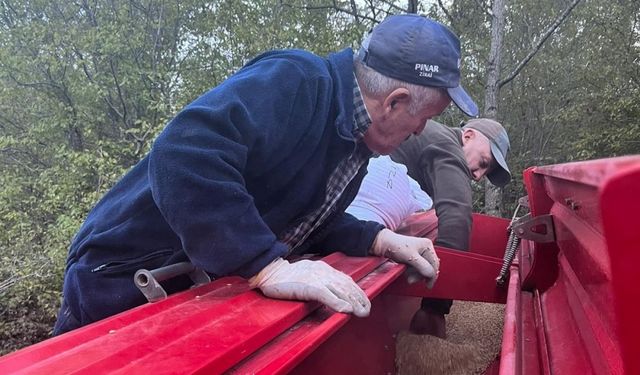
{"x": 86, "y": 85}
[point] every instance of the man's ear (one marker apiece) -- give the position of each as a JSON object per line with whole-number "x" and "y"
{"x": 398, "y": 98}
{"x": 467, "y": 135}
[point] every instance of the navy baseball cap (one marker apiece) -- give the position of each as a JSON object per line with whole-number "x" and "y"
{"x": 418, "y": 50}
{"x": 500, "y": 175}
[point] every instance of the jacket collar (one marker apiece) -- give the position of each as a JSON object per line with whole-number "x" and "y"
{"x": 341, "y": 69}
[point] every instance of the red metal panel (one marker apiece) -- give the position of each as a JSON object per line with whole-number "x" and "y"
{"x": 523, "y": 341}
{"x": 574, "y": 289}
{"x": 509, "y": 331}
{"x": 309, "y": 336}
{"x": 463, "y": 276}
{"x": 363, "y": 346}
{"x": 538, "y": 265}
{"x": 489, "y": 235}
{"x": 591, "y": 172}
{"x": 572, "y": 342}
{"x": 206, "y": 329}
{"x": 480, "y": 265}
{"x": 528, "y": 348}
{"x": 213, "y": 333}
{"x": 584, "y": 249}
{"x": 620, "y": 209}
{"x": 541, "y": 338}
{"x": 53, "y": 349}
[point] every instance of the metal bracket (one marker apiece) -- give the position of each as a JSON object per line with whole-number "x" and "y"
{"x": 149, "y": 281}
{"x": 523, "y": 228}
{"x": 524, "y": 201}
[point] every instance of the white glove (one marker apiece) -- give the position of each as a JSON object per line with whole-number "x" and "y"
{"x": 309, "y": 280}
{"x": 417, "y": 253}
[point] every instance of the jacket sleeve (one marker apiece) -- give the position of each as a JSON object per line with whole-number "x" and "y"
{"x": 452, "y": 195}
{"x": 197, "y": 163}
{"x": 350, "y": 236}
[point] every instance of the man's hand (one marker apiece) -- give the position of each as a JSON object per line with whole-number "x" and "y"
{"x": 417, "y": 253}
{"x": 309, "y": 280}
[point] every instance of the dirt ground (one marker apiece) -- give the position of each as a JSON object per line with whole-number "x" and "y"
{"x": 474, "y": 333}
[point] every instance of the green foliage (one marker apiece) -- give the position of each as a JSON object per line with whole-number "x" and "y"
{"x": 578, "y": 97}
{"x": 225, "y": 35}
{"x": 86, "y": 86}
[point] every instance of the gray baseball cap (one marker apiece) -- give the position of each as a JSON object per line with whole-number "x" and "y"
{"x": 500, "y": 175}
{"x": 418, "y": 50}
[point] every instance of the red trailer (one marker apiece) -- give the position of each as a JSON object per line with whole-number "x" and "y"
{"x": 570, "y": 294}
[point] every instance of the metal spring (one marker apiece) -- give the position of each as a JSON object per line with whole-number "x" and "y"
{"x": 509, "y": 254}
{"x": 510, "y": 250}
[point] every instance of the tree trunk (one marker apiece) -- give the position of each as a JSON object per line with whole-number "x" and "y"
{"x": 492, "y": 195}
{"x": 493, "y": 204}
{"x": 412, "y": 6}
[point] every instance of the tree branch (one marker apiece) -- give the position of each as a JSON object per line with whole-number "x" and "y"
{"x": 412, "y": 4}
{"x": 484, "y": 8}
{"x": 354, "y": 9}
{"x": 563, "y": 16}
{"x": 107, "y": 100}
{"x": 392, "y": 6}
{"x": 120, "y": 95}
{"x": 13, "y": 279}
{"x": 335, "y": 6}
{"x": 446, "y": 12}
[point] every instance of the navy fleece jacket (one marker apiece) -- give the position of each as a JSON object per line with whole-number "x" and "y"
{"x": 229, "y": 173}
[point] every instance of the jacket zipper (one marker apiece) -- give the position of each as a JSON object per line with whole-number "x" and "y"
{"x": 121, "y": 265}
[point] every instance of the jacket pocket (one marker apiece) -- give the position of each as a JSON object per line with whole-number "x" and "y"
{"x": 151, "y": 260}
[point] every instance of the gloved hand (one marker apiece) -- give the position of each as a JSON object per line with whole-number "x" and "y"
{"x": 417, "y": 253}
{"x": 309, "y": 280}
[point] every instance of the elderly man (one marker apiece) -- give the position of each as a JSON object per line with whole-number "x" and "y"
{"x": 263, "y": 166}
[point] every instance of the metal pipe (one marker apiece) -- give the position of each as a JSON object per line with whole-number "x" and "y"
{"x": 172, "y": 270}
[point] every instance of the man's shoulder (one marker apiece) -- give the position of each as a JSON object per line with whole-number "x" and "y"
{"x": 435, "y": 135}
{"x": 436, "y": 132}
{"x": 437, "y": 142}
{"x": 287, "y": 54}
{"x": 305, "y": 61}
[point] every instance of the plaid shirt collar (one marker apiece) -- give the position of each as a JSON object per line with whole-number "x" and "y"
{"x": 361, "y": 118}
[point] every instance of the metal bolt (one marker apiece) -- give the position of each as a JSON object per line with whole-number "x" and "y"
{"x": 572, "y": 204}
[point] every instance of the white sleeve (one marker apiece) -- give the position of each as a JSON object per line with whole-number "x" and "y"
{"x": 385, "y": 195}
{"x": 421, "y": 197}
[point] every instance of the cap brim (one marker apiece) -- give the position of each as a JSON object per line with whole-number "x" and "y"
{"x": 501, "y": 175}
{"x": 463, "y": 101}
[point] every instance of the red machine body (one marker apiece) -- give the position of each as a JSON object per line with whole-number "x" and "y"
{"x": 571, "y": 303}
{"x": 576, "y": 306}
